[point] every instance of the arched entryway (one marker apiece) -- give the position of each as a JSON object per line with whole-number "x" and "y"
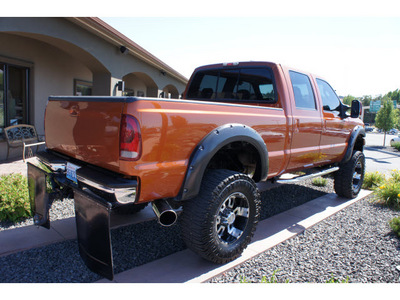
{"x": 170, "y": 91}
{"x": 140, "y": 85}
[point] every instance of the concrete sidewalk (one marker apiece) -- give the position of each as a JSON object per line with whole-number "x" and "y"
{"x": 15, "y": 166}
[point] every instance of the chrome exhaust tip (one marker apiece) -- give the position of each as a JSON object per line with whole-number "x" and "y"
{"x": 166, "y": 215}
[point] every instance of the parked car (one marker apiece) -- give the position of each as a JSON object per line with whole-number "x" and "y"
{"x": 394, "y": 140}
{"x": 393, "y": 131}
{"x": 369, "y": 129}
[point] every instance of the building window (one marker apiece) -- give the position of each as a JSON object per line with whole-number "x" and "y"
{"x": 82, "y": 88}
{"x": 128, "y": 92}
{"x": 14, "y": 91}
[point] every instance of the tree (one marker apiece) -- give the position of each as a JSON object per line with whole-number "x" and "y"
{"x": 387, "y": 117}
{"x": 366, "y": 100}
{"x": 348, "y": 99}
{"x": 395, "y": 95}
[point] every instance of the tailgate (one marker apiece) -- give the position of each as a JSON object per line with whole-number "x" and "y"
{"x": 85, "y": 128}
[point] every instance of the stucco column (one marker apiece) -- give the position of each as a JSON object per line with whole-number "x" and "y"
{"x": 105, "y": 85}
{"x": 102, "y": 84}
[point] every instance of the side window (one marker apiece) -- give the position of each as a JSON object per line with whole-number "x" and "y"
{"x": 302, "y": 89}
{"x": 330, "y": 100}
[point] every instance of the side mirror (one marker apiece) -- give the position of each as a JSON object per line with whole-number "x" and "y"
{"x": 356, "y": 109}
{"x": 342, "y": 110}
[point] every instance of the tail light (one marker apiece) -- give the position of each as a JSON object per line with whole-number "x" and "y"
{"x": 130, "y": 144}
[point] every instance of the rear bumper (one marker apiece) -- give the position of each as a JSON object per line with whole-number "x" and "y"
{"x": 121, "y": 189}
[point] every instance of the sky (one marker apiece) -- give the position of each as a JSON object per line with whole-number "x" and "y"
{"x": 357, "y": 55}
{"x": 353, "y": 44}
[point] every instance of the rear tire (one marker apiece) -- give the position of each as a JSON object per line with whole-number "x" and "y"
{"x": 349, "y": 179}
{"x": 219, "y": 223}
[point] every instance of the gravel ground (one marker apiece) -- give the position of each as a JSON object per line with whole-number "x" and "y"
{"x": 356, "y": 242}
{"x": 59, "y": 210}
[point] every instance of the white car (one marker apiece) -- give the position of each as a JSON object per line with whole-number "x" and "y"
{"x": 394, "y": 140}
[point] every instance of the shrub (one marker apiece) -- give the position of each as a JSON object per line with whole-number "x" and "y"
{"x": 389, "y": 194}
{"x": 320, "y": 181}
{"x": 395, "y": 225}
{"x": 395, "y": 175}
{"x": 397, "y": 146}
{"x": 14, "y": 198}
{"x": 373, "y": 180}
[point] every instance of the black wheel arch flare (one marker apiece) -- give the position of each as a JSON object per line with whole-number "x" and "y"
{"x": 357, "y": 132}
{"x": 210, "y": 145}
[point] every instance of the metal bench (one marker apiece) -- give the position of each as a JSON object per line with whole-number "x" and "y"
{"x": 22, "y": 135}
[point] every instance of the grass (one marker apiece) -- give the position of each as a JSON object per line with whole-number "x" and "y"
{"x": 14, "y": 198}
{"x": 320, "y": 181}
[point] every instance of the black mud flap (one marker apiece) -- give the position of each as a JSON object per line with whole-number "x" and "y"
{"x": 93, "y": 228}
{"x": 38, "y": 196}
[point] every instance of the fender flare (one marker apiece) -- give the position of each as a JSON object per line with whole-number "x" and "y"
{"x": 210, "y": 145}
{"x": 357, "y": 131}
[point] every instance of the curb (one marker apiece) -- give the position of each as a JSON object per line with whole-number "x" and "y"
{"x": 376, "y": 148}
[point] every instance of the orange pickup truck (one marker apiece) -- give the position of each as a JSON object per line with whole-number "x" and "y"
{"x": 237, "y": 124}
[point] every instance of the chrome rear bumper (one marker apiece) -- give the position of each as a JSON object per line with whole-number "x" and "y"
{"x": 124, "y": 190}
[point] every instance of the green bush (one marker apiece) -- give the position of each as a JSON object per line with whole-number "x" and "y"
{"x": 397, "y": 145}
{"x": 14, "y": 198}
{"x": 395, "y": 176}
{"x": 389, "y": 194}
{"x": 320, "y": 181}
{"x": 395, "y": 225}
{"x": 372, "y": 180}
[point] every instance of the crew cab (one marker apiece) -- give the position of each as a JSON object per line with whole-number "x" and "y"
{"x": 237, "y": 124}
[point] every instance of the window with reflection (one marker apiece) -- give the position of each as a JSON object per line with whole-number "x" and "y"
{"x": 330, "y": 100}
{"x": 234, "y": 85}
{"x": 303, "y": 92}
{"x": 14, "y": 87}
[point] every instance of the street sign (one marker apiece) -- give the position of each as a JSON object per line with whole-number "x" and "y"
{"x": 375, "y": 106}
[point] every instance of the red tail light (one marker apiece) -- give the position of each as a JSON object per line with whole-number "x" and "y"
{"x": 130, "y": 144}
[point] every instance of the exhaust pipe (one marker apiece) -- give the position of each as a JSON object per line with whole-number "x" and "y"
{"x": 166, "y": 215}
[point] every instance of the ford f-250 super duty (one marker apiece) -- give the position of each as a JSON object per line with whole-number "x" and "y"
{"x": 238, "y": 124}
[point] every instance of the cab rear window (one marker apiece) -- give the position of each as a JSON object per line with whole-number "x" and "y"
{"x": 237, "y": 85}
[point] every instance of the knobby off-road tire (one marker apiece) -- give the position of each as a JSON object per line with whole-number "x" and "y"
{"x": 349, "y": 179}
{"x": 219, "y": 223}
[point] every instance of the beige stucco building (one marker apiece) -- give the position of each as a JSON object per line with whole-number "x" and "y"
{"x": 40, "y": 57}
